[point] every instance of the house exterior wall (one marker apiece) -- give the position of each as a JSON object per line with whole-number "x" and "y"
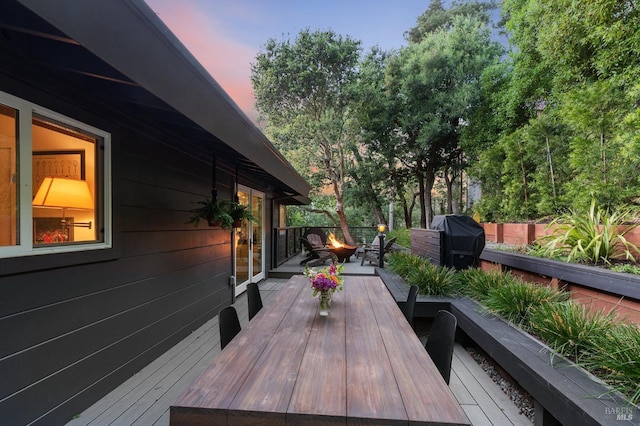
{"x": 75, "y": 325}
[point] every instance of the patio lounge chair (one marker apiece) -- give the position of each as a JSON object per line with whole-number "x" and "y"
{"x": 372, "y": 254}
{"x": 363, "y": 247}
{"x": 316, "y": 255}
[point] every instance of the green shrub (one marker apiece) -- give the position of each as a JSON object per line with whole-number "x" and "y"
{"x": 434, "y": 280}
{"x": 515, "y": 300}
{"x": 477, "y": 283}
{"x": 569, "y": 327}
{"x": 403, "y": 236}
{"x": 627, "y": 269}
{"x": 596, "y": 237}
{"x": 402, "y": 263}
{"x": 617, "y": 356}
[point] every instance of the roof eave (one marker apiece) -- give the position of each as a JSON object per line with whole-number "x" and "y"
{"x": 158, "y": 62}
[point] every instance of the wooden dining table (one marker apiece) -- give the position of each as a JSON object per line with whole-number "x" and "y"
{"x": 361, "y": 364}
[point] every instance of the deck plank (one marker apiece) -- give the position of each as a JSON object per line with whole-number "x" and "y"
{"x": 488, "y": 395}
{"x": 181, "y": 364}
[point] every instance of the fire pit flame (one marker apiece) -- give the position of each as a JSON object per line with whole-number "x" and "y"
{"x": 333, "y": 241}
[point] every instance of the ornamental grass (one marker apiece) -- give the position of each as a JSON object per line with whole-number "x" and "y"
{"x": 515, "y": 300}
{"x": 616, "y": 358}
{"x": 592, "y": 338}
{"x": 571, "y": 328}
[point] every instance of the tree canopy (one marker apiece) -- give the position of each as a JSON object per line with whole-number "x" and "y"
{"x": 541, "y": 127}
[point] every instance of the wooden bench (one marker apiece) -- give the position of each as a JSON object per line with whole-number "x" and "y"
{"x": 564, "y": 393}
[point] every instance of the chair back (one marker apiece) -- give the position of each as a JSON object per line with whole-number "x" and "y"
{"x": 254, "y": 300}
{"x": 409, "y": 307}
{"x": 317, "y": 231}
{"x": 229, "y": 325}
{"x": 389, "y": 245}
{"x": 441, "y": 340}
{"x": 315, "y": 240}
{"x": 307, "y": 245}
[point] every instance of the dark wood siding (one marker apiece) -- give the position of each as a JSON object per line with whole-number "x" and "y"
{"x": 75, "y": 325}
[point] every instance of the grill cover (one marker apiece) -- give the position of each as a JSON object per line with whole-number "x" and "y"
{"x": 463, "y": 240}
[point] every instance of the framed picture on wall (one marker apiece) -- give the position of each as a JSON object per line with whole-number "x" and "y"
{"x": 66, "y": 164}
{"x": 51, "y": 230}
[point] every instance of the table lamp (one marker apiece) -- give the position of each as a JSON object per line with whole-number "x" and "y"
{"x": 63, "y": 193}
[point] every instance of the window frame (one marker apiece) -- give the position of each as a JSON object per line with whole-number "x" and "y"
{"x": 104, "y": 221}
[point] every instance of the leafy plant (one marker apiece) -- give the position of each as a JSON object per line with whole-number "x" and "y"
{"x": 569, "y": 327}
{"x": 402, "y": 263}
{"x": 239, "y": 211}
{"x": 214, "y": 212}
{"x": 434, "y": 280}
{"x": 477, "y": 283}
{"x": 402, "y": 235}
{"x": 515, "y": 300}
{"x": 616, "y": 356}
{"x": 627, "y": 269}
{"x": 597, "y": 237}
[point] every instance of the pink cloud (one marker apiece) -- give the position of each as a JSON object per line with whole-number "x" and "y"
{"x": 228, "y": 61}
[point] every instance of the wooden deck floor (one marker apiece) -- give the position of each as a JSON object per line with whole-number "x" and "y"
{"x": 145, "y": 398}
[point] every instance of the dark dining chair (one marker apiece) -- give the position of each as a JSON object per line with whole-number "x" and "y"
{"x": 229, "y": 325}
{"x": 441, "y": 340}
{"x": 409, "y": 307}
{"x": 253, "y": 299}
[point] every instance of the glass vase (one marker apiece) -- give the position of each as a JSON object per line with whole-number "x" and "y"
{"x": 325, "y": 303}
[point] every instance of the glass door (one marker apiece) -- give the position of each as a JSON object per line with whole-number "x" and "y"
{"x": 249, "y": 241}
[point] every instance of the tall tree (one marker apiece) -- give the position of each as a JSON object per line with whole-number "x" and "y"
{"x": 437, "y": 17}
{"x": 300, "y": 90}
{"x": 438, "y": 81}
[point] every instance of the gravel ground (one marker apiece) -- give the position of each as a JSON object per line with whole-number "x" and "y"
{"x": 521, "y": 399}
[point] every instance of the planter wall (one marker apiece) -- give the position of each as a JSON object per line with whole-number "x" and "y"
{"x": 564, "y": 393}
{"x": 526, "y": 233}
{"x": 589, "y": 285}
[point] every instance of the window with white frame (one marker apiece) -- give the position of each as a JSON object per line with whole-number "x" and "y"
{"x": 54, "y": 192}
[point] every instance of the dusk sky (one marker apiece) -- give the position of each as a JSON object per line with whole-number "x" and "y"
{"x": 225, "y": 36}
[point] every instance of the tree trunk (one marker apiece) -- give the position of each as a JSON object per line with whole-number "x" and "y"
{"x": 429, "y": 182}
{"x": 338, "y": 191}
{"x": 422, "y": 198}
{"x": 449, "y": 183}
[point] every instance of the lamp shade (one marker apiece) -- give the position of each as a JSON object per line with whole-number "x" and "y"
{"x": 64, "y": 193}
{"x": 382, "y": 227}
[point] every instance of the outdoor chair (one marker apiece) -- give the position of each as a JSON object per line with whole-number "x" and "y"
{"x": 441, "y": 340}
{"x": 229, "y": 325}
{"x": 315, "y": 240}
{"x": 363, "y": 247}
{"x": 316, "y": 231}
{"x": 409, "y": 307}
{"x": 373, "y": 254}
{"x": 253, "y": 299}
{"x": 315, "y": 255}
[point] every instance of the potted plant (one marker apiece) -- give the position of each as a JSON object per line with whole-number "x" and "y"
{"x": 238, "y": 212}
{"x": 214, "y": 212}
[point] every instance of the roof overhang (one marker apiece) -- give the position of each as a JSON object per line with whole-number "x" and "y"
{"x": 120, "y": 50}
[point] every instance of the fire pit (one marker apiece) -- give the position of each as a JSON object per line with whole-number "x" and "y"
{"x": 342, "y": 251}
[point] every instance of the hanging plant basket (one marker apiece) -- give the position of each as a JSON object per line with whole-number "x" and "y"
{"x": 214, "y": 212}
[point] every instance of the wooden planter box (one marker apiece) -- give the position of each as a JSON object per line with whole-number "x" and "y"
{"x": 564, "y": 393}
{"x": 589, "y": 285}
